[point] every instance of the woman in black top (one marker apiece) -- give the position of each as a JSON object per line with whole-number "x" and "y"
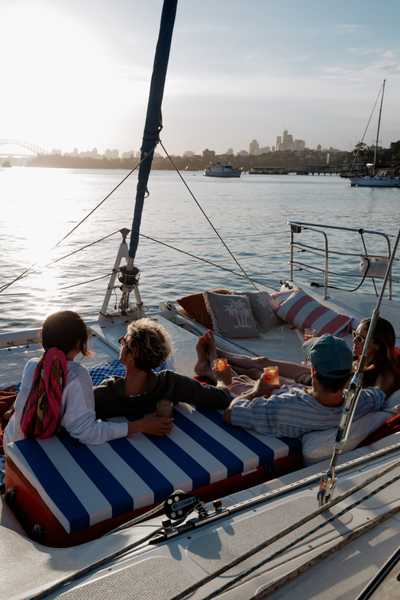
{"x": 144, "y": 348}
{"x": 383, "y": 357}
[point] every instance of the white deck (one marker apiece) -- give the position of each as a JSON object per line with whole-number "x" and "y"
{"x": 160, "y": 572}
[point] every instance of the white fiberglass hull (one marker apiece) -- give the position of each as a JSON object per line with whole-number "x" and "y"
{"x": 378, "y": 182}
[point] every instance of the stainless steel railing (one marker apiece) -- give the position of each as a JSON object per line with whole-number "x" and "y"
{"x": 326, "y": 253}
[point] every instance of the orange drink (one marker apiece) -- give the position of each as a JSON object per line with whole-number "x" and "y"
{"x": 271, "y": 375}
{"x": 220, "y": 364}
{"x": 308, "y": 334}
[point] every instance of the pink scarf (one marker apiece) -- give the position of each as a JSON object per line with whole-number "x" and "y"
{"x": 42, "y": 411}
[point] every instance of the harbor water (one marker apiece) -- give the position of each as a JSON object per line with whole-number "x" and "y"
{"x": 39, "y": 206}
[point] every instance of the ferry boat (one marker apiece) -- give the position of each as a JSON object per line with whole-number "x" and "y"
{"x": 220, "y": 170}
{"x": 209, "y": 511}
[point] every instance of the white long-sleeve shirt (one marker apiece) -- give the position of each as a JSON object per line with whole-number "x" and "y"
{"x": 77, "y": 406}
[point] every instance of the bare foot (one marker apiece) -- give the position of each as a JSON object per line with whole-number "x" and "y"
{"x": 212, "y": 348}
{"x": 203, "y": 362}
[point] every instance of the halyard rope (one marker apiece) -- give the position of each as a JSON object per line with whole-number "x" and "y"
{"x": 26, "y": 271}
{"x": 207, "y": 217}
{"x": 287, "y": 531}
{"x": 275, "y": 585}
{"x": 315, "y": 529}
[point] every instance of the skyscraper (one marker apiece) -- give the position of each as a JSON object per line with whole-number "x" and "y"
{"x": 254, "y": 147}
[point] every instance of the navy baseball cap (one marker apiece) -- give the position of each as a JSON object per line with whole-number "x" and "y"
{"x": 330, "y": 356}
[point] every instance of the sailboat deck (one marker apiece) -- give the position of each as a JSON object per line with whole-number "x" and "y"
{"x": 163, "y": 570}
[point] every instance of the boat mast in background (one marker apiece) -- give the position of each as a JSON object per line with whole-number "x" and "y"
{"x": 379, "y": 126}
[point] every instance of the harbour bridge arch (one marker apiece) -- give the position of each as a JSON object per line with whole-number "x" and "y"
{"x": 34, "y": 148}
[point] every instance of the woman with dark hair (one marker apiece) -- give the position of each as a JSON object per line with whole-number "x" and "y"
{"x": 383, "y": 357}
{"x": 57, "y": 392}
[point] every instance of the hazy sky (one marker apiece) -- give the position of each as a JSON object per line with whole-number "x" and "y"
{"x": 77, "y": 72}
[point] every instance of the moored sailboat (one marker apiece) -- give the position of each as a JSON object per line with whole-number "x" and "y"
{"x": 377, "y": 179}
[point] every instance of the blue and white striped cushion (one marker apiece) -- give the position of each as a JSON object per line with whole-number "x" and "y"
{"x": 84, "y": 485}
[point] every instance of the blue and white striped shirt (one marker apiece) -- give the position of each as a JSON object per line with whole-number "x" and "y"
{"x": 292, "y": 412}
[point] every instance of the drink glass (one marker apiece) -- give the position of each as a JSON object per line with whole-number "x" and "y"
{"x": 220, "y": 364}
{"x": 308, "y": 334}
{"x": 271, "y": 375}
{"x": 164, "y": 408}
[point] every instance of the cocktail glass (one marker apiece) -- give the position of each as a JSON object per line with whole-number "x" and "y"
{"x": 308, "y": 334}
{"x": 271, "y": 375}
{"x": 220, "y": 364}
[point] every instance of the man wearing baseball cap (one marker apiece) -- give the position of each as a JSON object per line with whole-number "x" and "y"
{"x": 295, "y": 410}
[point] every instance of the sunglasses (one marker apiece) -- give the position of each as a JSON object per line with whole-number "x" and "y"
{"x": 358, "y": 338}
{"x": 122, "y": 340}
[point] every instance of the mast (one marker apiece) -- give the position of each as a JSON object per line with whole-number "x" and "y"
{"x": 379, "y": 126}
{"x": 153, "y": 124}
{"x": 128, "y": 274}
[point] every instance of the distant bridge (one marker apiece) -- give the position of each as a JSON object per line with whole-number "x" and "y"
{"x": 33, "y": 148}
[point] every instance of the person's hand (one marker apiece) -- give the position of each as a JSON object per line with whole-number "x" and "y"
{"x": 224, "y": 374}
{"x": 261, "y": 388}
{"x": 152, "y": 425}
{"x": 303, "y": 378}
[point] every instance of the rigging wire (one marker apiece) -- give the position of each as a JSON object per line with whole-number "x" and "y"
{"x": 227, "y": 237}
{"x": 101, "y": 202}
{"x": 301, "y": 538}
{"x": 347, "y": 537}
{"x": 49, "y": 264}
{"x": 53, "y": 262}
{"x": 67, "y": 287}
{"x": 28, "y": 269}
{"x": 278, "y": 536}
{"x": 366, "y": 128}
{"x": 207, "y": 217}
{"x": 205, "y": 260}
{"x": 97, "y": 564}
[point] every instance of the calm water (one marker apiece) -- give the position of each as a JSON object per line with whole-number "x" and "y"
{"x": 40, "y": 205}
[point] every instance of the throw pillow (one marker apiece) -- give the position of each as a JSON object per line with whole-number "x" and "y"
{"x": 303, "y": 311}
{"x": 195, "y": 307}
{"x": 318, "y": 445}
{"x": 262, "y": 306}
{"x": 231, "y": 315}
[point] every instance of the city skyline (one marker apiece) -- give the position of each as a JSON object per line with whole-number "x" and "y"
{"x": 77, "y": 74}
{"x": 283, "y": 142}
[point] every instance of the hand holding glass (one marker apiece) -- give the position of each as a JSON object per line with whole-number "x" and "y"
{"x": 308, "y": 334}
{"x": 271, "y": 375}
{"x": 220, "y": 364}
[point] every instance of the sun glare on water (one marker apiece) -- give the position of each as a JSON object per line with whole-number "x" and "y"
{"x": 54, "y": 71}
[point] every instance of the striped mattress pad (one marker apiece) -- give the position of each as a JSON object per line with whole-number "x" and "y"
{"x": 85, "y": 485}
